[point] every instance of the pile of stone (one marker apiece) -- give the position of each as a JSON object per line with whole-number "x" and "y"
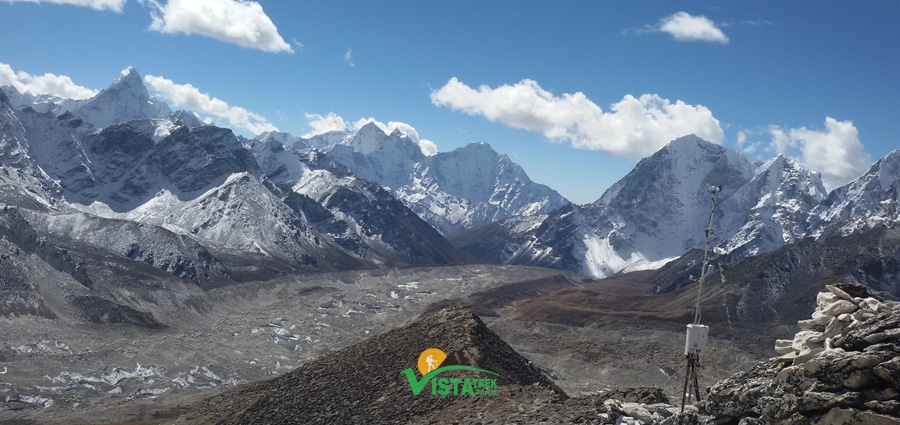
{"x": 842, "y": 307}
{"x": 843, "y": 367}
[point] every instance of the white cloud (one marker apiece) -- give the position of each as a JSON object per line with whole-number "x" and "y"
{"x": 741, "y": 138}
{"x": 348, "y": 57}
{"x": 634, "y": 127}
{"x": 114, "y": 5}
{"x": 836, "y": 152}
{"x": 426, "y": 146}
{"x": 686, "y": 27}
{"x": 188, "y": 96}
{"x": 321, "y": 125}
{"x": 239, "y": 22}
{"x": 56, "y": 85}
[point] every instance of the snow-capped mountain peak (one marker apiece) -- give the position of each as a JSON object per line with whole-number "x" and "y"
{"x": 659, "y": 211}
{"x": 859, "y": 197}
{"x": 126, "y": 99}
{"x": 771, "y": 209}
{"x": 370, "y": 139}
{"x": 129, "y": 76}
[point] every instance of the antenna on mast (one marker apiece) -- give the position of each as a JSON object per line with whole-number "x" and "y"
{"x": 698, "y": 334}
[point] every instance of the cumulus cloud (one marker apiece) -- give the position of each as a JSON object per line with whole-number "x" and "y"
{"x": 188, "y": 96}
{"x": 634, "y": 127}
{"x": 427, "y": 146}
{"x": 239, "y": 22}
{"x": 324, "y": 124}
{"x": 835, "y": 152}
{"x": 114, "y": 5}
{"x": 685, "y": 27}
{"x": 52, "y": 84}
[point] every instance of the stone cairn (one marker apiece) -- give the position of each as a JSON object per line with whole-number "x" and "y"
{"x": 843, "y": 367}
{"x": 837, "y": 310}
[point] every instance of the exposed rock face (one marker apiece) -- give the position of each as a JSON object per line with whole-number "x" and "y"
{"x": 841, "y": 368}
{"x": 660, "y": 210}
{"x": 453, "y": 191}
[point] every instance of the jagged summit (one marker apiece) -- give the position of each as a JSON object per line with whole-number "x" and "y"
{"x": 659, "y": 210}
{"x": 128, "y": 77}
{"x": 860, "y": 195}
{"x": 771, "y": 209}
{"x": 370, "y": 139}
{"x": 126, "y": 99}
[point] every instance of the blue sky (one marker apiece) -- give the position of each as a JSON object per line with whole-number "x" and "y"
{"x": 574, "y": 91}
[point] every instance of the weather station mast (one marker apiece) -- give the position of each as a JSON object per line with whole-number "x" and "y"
{"x": 697, "y": 334}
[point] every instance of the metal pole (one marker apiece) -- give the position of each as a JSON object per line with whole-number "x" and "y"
{"x": 687, "y": 374}
{"x": 708, "y": 231}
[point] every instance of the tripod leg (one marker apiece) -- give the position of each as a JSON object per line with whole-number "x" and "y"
{"x": 687, "y": 377}
{"x": 696, "y": 383}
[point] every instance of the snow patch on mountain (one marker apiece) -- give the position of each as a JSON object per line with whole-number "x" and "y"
{"x": 771, "y": 209}
{"x": 452, "y": 191}
{"x": 125, "y": 100}
{"x": 859, "y": 198}
{"x": 660, "y": 209}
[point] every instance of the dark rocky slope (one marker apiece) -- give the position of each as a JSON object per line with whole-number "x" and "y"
{"x": 363, "y": 383}
{"x": 842, "y": 372}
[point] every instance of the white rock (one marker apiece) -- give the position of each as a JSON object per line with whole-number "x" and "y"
{"x": 784, "y": 346}
{"x": 785, "y": 373}
{"x": 835, "y": 327}
{"x": 862, "y": 315}
{"x": 825, "y": 299}
{"x": 839, "y": 307}
{"x": 873, "y": 305}
{"x": 637, "y": 411}
{"x": 806, "y": 355}
{"x": 817, "y": 324}
{"x": 807, "y": 340}
{"x": 817, "y": 315}
{"x": 838, "y": 292}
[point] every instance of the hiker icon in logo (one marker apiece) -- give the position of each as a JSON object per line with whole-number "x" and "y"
{"x": 429, "y": 365}
{"x": 430, "y": 360}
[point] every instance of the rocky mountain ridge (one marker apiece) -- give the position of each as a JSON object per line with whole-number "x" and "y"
{"x": 660, "y": 210}
{"x": 453, "y": 191}
{"x": 122, "y": 160}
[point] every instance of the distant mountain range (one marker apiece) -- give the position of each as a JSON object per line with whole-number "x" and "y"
{"x": 453, "y": 191}
{"x": 121, "y": 176}
{"x": 660, "y": 209}
{"x": 124, "y": 174}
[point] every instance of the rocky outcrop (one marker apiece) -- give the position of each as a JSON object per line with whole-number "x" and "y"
{"x": 841, "y": 368}
{"x": 364, "y": 383}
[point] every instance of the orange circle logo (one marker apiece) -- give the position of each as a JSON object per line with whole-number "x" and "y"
{"x": 430, "y": 360}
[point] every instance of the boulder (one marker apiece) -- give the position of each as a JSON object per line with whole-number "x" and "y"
{"x": 838, "y": 292}
{"x": 839, "y": 307}
{"x": 838, "y": 416}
